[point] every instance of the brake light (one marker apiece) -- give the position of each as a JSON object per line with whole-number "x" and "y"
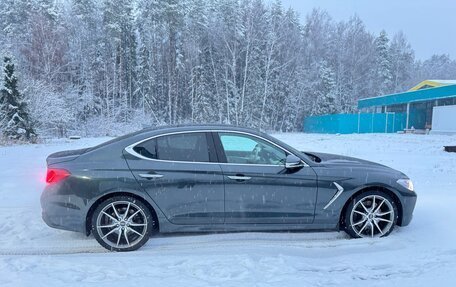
{"x": 56, "y": 174}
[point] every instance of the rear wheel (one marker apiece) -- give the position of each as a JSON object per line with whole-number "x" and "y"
{"x": 371, "y": 214}
{"x": 122, "y": 223}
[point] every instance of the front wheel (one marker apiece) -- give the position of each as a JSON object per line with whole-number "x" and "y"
{"x": 122, "y": 223}
{"x": 370, "y": 214}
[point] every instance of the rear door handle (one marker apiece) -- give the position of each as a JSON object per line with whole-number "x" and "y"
{"x": 239, "y": 177}
{"x": 150, "y": 175}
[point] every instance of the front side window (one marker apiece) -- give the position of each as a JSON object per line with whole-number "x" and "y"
{"x": 191, "y": 147}
{"x": 245, "y": 149}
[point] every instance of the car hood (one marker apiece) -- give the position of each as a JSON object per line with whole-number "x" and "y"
{"x": 345, "y": 161}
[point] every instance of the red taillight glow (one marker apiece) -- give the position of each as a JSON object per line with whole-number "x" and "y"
{"x": 55, "y": 175}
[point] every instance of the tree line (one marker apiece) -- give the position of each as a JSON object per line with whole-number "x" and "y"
{"x": 97, "y": 67}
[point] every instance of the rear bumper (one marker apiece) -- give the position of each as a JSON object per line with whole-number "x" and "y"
{"x": 62, "y": 211}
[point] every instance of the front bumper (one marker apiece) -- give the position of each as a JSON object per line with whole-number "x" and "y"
{"x": 408, "y": 205}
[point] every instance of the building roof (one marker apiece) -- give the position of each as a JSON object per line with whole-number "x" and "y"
{"x": 432, "y": 84}
{"x": 420, "y": 95}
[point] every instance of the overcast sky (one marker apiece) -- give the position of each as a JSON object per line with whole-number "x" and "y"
{"x": 428, "y": 24}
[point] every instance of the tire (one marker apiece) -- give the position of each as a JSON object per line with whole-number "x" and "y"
{"x": 363, "y": 219}
{"x": 122, "y": 223}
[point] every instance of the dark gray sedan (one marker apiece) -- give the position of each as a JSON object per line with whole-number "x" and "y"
{"x": 217, "y": 178}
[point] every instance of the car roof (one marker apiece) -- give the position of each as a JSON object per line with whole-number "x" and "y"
{"x": 157, "y": 130}
{"x": 193, "y": 127}
{"x": 119, "y": 143}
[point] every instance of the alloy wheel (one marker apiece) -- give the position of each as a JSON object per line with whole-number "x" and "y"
{"x": 121, "y": 224}
{"x": 372, "y": 216}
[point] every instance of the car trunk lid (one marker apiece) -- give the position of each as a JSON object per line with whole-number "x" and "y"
{"x": 63, "y": 156}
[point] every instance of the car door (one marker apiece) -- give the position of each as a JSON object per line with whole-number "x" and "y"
{"x": 181, "y": 174}
{"x": 258, "y": 187}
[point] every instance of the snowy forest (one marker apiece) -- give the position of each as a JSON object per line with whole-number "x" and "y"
{"x": 105, "y": 67}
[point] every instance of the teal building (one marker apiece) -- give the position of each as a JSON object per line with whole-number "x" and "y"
{"x": 389, "y": 113}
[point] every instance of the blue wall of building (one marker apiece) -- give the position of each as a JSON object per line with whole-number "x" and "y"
{"x": 355, "y": 123}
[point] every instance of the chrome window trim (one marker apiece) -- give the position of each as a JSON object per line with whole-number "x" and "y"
{"x": 131, "y": 151}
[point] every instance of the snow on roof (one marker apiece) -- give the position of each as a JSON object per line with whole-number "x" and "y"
{"x": 432, "y": 84}
{"x": 444, "y": 82}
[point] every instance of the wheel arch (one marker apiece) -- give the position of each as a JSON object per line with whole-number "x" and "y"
{"x": 88, "y": 218}
{"x": 386, "y": 190}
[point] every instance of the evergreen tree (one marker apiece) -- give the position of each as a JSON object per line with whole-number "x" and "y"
{"x": 383, "y": 67}
{"x": 15, "y": 120}
{"x": 326, "y": 96}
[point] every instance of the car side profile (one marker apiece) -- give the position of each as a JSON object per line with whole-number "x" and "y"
{"x": 209, "y": 178}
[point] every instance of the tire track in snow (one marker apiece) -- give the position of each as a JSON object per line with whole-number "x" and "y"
{"x": 300, "y": 241}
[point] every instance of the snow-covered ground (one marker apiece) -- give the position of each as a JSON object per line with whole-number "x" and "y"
{"x": 424, "y": 253}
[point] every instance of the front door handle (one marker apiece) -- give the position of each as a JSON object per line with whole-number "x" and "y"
{"x": 150, "y": 175}
{"x": 239, "y": 177}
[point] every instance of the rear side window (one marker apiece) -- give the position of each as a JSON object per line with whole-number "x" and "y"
{"x": 191, "y": 147}
{"x": 147, "y": 149}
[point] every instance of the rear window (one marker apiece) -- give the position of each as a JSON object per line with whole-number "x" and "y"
{"x": 147, "y": 149}
{"x": 191, "y": 147}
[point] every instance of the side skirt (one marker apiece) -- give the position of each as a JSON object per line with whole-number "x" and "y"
{"x": 172, "y": 228}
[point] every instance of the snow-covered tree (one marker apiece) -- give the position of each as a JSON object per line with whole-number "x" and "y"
{"x": 85, "y": 55}
{"x": 246, "y": 62}
{"x": 437, "y": 67}
{"x": 383, "y": 66}
{"x": 326, "y": 102}
{"x": 55, "y": 113}
{"x": 402, "y": 59}
{"x": 15, "y": 121}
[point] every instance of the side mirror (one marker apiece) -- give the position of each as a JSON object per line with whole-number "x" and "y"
{"x": 293, "y": 161}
